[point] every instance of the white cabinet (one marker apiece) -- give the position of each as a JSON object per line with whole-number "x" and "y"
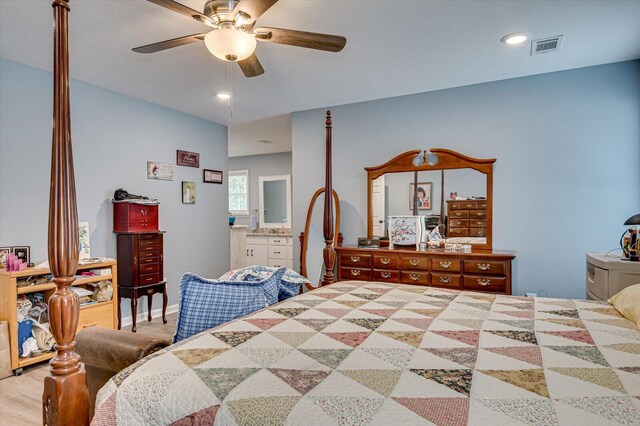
{"x": 607, "y": 275}
{"x": 265, "y": 250}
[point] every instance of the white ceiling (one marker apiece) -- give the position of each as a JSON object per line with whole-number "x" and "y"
{"x": 394, "y": 48}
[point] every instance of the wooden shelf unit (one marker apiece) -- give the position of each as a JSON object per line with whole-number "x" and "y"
{"x": 104, "y": 314}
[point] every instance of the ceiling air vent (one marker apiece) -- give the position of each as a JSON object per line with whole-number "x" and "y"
{"x": 546, "y": 45}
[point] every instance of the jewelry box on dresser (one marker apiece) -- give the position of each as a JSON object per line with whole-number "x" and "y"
{"x": 461, "y": 221}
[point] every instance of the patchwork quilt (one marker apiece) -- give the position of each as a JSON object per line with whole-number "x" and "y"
{"x": 368, "y": 353}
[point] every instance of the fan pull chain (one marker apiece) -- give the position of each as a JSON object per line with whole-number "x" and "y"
{"x": 230, "y": 82}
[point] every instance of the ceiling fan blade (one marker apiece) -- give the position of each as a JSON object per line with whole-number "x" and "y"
{"x": 253, "y": 8}
{"x": 328, "y": 42}
{"x": 251, "y": 67}
{"x": 168, "y": 44}
{"x": 183, "y": 10}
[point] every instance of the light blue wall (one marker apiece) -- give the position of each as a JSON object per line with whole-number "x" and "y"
{"x": 260, "y": 165}
{"x": 113, "y": 138}
{"x": 567, "y": 175}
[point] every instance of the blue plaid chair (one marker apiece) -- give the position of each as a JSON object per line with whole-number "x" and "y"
{"x": 206, "y": 303}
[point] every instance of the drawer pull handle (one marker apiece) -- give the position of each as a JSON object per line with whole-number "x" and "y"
{"x": 385, "y": 261}
{"x": 445, "y": 280}
{"x": 91, "y": 324}
{"x": 484, "y": 266}
{"x": 445, "y": 265}
{"x": 355, "y": 259}
{"x": 414, "y": 262}
{"x": 484, "y": 282}
{"x": 479, "y": 214}
{"x": 385, "y": 274}
{"x": 276, "y": 252}
{"x": 355, "y": 272}
{"x": 414, "y": 277}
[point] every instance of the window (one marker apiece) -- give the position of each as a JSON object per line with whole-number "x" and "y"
{"x": 239, "y": 192}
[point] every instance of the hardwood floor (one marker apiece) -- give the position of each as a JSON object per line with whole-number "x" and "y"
{"x": 20, "y": 396}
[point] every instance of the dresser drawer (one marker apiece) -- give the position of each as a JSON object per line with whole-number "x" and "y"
{"x": 484, "y": 267}
{"x": 386, "y": 262}
{"x": 151, "y": 259}
{"x": 277, "y": 241}
{"x": 458, "y": 214}
{"x": 149, "y": 268}
{"x": 459, "y": 223}
{"x": 149, "y": 247}
{"x": 469, "y": 205}
{"x": 477, "y": 223}
{"x": 445, "y": 265}
{"x": 477, "y": 214}
{"x": 355, "y": 274}
{"x": 482, "y": 205}
{"x": 355, "y": 260}
{"x": 493, "y": 284}
{"x": 446, "y": 280}
{"x": 96, "y": 315}
{"x": 256, "y": 241}
{"x": 149, "y": 279}
{"x": 148, "y": 239}
{"x": 388, "y": 276}
{"x": 454, "y": 206}
{"x": 419, "y": 263}
{"x": 458, "y": 232}
{"x": 278, "y": 252}
{"x": 411, "y": 277}
{"x": 148, "y": 254}
{"x": 598, "y": 281}
{"x": 477, "y": 232}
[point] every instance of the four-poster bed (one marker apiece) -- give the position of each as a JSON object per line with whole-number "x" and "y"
{"x": 348, "y": 352}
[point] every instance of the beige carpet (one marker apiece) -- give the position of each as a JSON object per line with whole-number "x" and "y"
{"x": 21, "y": 396}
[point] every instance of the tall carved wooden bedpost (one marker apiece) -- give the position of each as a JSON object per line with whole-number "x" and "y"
{"x": 65, "y": 400}
{"x": 328, "y": 253}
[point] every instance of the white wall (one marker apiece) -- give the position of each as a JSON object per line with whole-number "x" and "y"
{"x": 260, "y": 165}
{"x": 566, "y": 178}
{"x": 113, "y": 138}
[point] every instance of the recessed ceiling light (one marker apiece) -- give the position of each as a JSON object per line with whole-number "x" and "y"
{"x": 514, "y": 38}
{"x": 223, "y": 96}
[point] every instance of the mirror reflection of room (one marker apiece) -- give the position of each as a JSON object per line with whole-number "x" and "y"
{"x": 454, "y": 200}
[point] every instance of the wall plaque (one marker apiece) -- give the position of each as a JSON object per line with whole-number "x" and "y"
{"x": 188, "y": 159}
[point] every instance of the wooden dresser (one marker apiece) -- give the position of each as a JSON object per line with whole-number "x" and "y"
{"x": 467, "y": 218}
{"x": 140, "y": 270}
{"x": 485, "y": 271}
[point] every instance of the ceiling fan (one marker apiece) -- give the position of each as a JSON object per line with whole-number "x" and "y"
{"x": 233, "y": 37}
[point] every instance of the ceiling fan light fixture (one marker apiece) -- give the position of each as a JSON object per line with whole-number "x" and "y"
{"x": 230, "y": 44}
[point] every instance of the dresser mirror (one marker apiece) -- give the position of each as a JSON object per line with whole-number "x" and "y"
{"x": 453, "y": 191}
{"x": 275, "y": 201}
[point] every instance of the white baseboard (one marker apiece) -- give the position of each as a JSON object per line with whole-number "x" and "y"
{"x": 142, "y": 316}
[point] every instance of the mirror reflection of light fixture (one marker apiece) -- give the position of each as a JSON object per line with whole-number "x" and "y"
{"x": 425, "y": 156}
{"x": 230, "y": 44}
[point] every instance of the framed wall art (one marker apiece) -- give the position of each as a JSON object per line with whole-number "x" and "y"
{"x": 83, "y": 233}
{"x": 187, "y": 159}
{"x": 212, "y": 176}
{"x": 188, "y": 192}
{"x": 160, "y": 171}
{"x": 424, "y": 195}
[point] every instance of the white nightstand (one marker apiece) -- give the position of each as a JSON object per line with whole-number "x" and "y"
{"x": 607, "y": 275}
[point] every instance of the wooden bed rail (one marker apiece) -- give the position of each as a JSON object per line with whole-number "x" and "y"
{"x": 65, "y": 400}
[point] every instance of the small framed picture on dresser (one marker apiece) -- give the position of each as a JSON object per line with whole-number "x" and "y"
{"x": 22, "y": 252}
{"x": 211, "y": 176}
{"x": 4, "y": 252}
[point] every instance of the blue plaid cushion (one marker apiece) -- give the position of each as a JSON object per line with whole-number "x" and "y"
{"x": 288, "y": 286}
{"x": 205, "y": 303}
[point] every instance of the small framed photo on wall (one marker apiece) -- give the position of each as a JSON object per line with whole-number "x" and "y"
{"x": 23, "y": 253}
{"x": 211, "y": 176}
{"x": 188, "y": 192}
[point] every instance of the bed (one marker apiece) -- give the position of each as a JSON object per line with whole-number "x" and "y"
{"x": 376, "y": 353}
{"x": 347, "y": 353}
